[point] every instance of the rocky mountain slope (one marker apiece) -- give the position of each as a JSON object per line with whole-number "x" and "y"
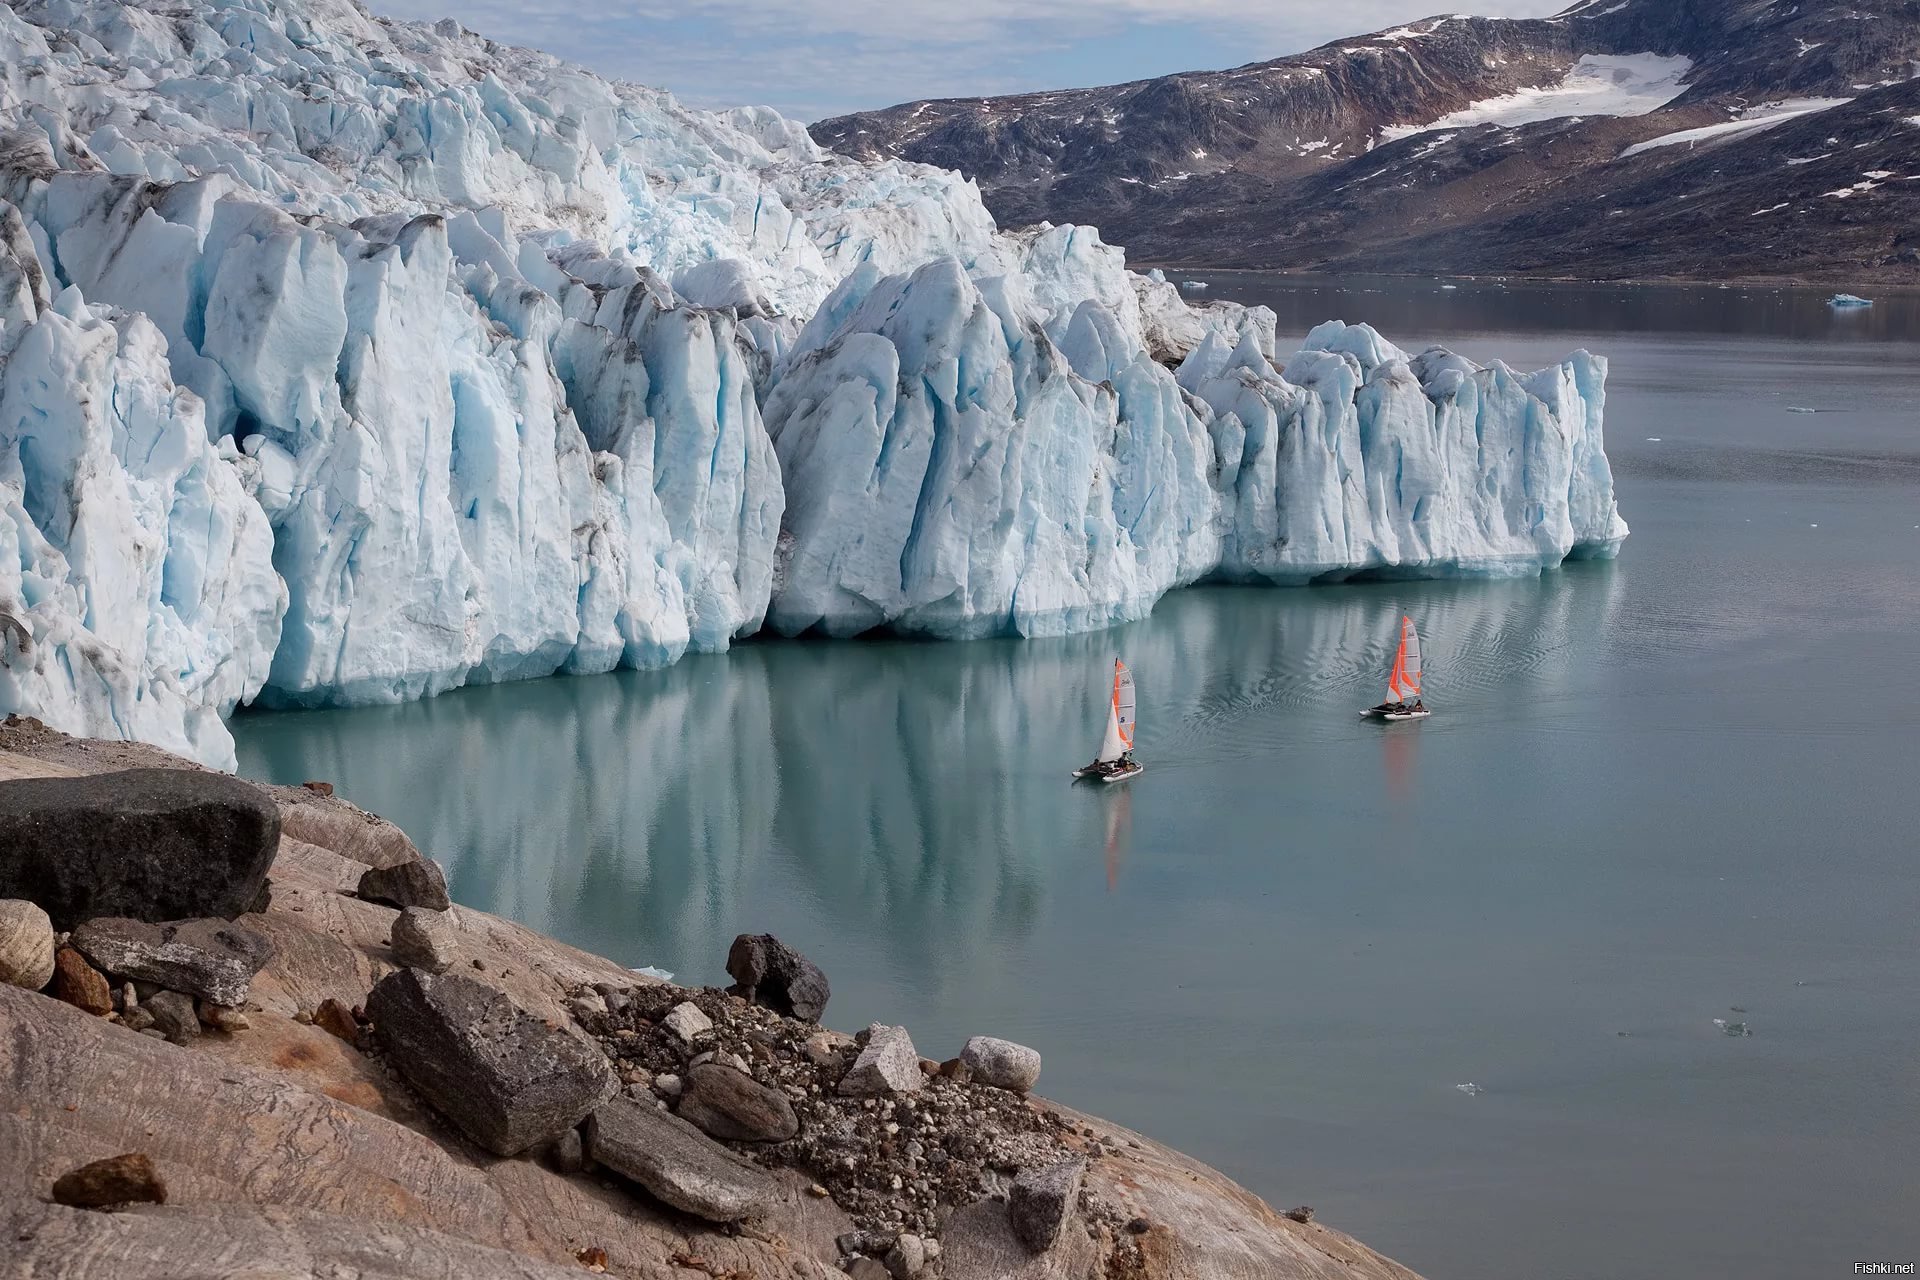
{"x": 308, "y": 1134}
{"x": 1619, "y": 138}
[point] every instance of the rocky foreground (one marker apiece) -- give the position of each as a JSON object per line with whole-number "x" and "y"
{"x": 244, "y": 1031}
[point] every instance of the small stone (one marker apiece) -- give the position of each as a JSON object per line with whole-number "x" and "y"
{"x": 587, "y": 1005}
{"x": 567, "y": 1154}
{"x": 867, "y": 1269}
{"x": 137, "y": 1018}
{"x": 319, "y": 788}
{"x": 687, "y": 1021}
{"x": 210, "y": 958}
{"x": 823, "y": 1048}
{"x": 336, "y": 1019}
{"x": 1002, "y": 1063}
{"x": 126, "y": 1179}
{"x": 1042, "y": 1199}
{"x": 80, "y": 984}
{"x": 26, "y": 945}
{"x": 721, "y": 1057}
{"x": 418, "y": 882}
{"x": 729, "y": 1104}
{"x": 668, "y": 1086}
{"x": 907, "y": 1257}
{"x": 677, "y": 1163}
{"x": 175, "y": 1016}
{"x": 129, "y": 998}
{"x": 887, "y": 1065}
{"x": 1139, "y": 1226}
{"x": 769, "y": 973}
{"x": 223, "y": 1017}
{"x": 1303, "y": 1214}
{"x": 956, "y": 1070}
{"x": 426, "y": 939}
{"x": 817, "y": 1191}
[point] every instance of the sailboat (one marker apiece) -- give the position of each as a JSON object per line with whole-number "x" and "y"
{"x": 1403, "y": 684}
{"x": 1115, "y": 763}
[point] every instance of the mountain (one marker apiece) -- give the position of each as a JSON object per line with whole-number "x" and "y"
{"x": 1621, "y": 138}
{"x": 345, "y": 360}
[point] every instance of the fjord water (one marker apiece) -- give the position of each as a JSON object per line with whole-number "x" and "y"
{"x": 1655, "y": 793}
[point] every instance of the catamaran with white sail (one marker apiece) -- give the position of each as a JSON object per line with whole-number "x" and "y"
{"x": 1115, "y": 763}
{"x": 1403, "y": 683}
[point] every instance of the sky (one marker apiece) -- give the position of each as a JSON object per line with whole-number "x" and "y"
{"x": 818, "y": 58}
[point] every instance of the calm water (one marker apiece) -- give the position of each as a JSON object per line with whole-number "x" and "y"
{"x": 1655, "y": 793}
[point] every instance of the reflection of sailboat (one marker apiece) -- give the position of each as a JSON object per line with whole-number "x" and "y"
{"x": 1403, "y": 684}
{"x": 1115, "y": 763}
{"x": 1119, "y": 825}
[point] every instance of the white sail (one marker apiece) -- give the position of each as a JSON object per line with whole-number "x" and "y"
{"x": 1123, "y": 701}
{"x": 1111, "y": 746}
{"x": 1410, "y": 669}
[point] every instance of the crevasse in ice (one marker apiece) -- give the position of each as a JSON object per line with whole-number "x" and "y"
{"x": 349, "y": 360}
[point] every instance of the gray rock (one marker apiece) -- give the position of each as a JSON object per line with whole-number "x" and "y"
{"x": 768, "y": 972}
{"x": 823, "y": 1048}
{"x": 26, "y": 945}
{"x": 213, "y": 959}
{"x": 907, "y": 1258}
{"x": 174, "y": 1016}
{"x": 223, "y": 1017}
{"x": 567, "y": 1153}
{"x": 588, "y": 1004}
{"x": 867, "y": 1269}
{"x": 730, "y": 1104}
{"x": 677, "y": 1163}
{"x": 887, "y": 1065}
{"x": 725, "y": 1059}
{"x": 1042, "y": 1200}
{"x": 1002, "y": 1063}
{"x": 417, "y": 883}
{"x": 150, "y": 844}
{"x": 687, "y": 1021}
{"x": 425, "y": 939}
{"x": 505, "y": 1077}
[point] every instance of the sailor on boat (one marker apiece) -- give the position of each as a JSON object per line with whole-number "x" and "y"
{"x": 1115, "y": 762}
{"x": 1403, "y": 683}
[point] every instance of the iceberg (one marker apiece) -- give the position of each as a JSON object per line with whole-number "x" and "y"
{"x": 1844, "y": 301}
{"x": 350, "y": 360}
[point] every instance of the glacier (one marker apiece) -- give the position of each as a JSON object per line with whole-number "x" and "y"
{"x": 346, "y": 360}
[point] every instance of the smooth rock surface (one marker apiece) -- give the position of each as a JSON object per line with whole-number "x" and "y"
{"x": 124, "y": 1179}
{"x": 209, "y": 958}
{"x": 1002, "y": 1063}
{"x": 26, "y": 945}
{"x": 150, "y": 844}
{"x": 687, "y": 1021}
{"x": 425, "y": 939}
{"x": 1042, "y": 1200}
{"x": 417, "y": 883}
{"x": 504, "y": 1077}
{"x": 888, "y": 1064}
{"x": 730, "y": 1104}
{"x": 80, "y": 984}
{"x": 768, "y": 972}
{"x": 677, "y": 1163}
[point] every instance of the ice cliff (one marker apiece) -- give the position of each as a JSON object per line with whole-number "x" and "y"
{"x": 349, "y": 360}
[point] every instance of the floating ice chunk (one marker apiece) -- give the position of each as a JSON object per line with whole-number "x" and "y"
{"x": 649, "y": 971}
{"x": 1470, "y": 1089}
{"x": 1844, "y": 301}
{"x": 1732, "y": 1028}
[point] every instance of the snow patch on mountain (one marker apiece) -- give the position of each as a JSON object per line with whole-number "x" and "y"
{"x": 1596, "y": 85}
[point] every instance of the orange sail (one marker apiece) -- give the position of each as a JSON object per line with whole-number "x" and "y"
{"x": 1403, "y": 685}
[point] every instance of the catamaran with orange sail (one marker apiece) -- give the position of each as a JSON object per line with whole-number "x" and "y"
{"x": 1115, "y": 763}
{"x": 1403, "y": 684}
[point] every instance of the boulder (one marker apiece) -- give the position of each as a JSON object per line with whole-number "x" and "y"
{"x": 337, "y": 1020}
{"x": 1001, "y": 1063}
{"x": 425, "y": 939}
{"x": 173, "y": 1015}
{"x": 150, "y": 844}
{"x": 123, "y": 1179}
{"x": 768, "y": 972}
{"x": 507, "y": 1079}
{"x": 867, "y": 1269}
{"x": 80, "y": 984}
{"x": 419, "y": 883}
{"x": 1042, "y": 1200}
{"x": 676, "y": 1163}
{"x": 687, "y": 1021}
{"x": 888, "y": 1064}
{"x": 209, "y": 958}
{"x": 26, "y": 945}
{"x": 730, "y": 1104}
{"x": 907, "y": 1258}
{"x": 223, "y": 1017}
{"x": 329, "y": 822}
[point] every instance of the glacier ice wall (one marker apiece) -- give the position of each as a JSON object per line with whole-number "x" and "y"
{"x": 349, "y": 360}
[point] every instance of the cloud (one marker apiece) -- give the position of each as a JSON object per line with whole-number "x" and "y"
{"x": 813, "y": 58}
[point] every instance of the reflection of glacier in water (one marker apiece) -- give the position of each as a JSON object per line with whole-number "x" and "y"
{"x": 911, "y": 793}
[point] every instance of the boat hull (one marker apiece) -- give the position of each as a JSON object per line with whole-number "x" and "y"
{"x": 1095, "y": 772}
{"x": 1375, "y": 713}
